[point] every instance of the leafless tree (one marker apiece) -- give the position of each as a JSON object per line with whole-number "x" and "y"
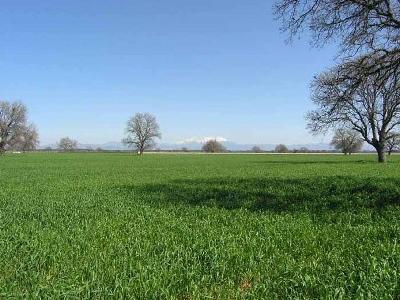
{"x": 360, "y": 26}
{"x": 393, "y": 144}
{"x": 372, "y": 108}
{"x": 281, "y": 148}
{"x": 27, "y": 140}
{"x": 348, "y": 141}
{"x": 13, "y": 125}
{"x": 67, "y": 144}
{"x": 141, "y": 131}
{"x": 304, "y": 150}
{"x": 256, "y": 149}
{"x": 368, "y": 32}
{"x": 213, "y": 146}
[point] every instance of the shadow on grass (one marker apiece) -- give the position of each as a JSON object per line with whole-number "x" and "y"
{"x": 305, "y": 162}
{"x": 275, "y": 194}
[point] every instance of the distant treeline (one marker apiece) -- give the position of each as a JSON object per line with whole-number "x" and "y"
{"x": 294, "y": 151}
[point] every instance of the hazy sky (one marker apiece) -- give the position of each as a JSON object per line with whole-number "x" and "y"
{"x": 204, "y": 68}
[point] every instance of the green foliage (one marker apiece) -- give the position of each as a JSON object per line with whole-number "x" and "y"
{"x": 100, "y": 225}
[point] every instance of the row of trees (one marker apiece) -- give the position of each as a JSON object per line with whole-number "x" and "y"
{"x": 362, "y": 92}
{"x": 143, "y": 128}
{"x": 17, "y": 134}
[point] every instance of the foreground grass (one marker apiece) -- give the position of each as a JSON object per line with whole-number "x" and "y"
{"x": 198, "y": 226}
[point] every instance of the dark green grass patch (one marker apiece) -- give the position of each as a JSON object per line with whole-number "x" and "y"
{"x": 199, "y": 226}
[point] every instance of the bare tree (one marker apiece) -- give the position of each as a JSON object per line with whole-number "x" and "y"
{"x": 141, "y": 131}
{"x": 362, "y": 27}
{"x": 213, "y": 146}
{"x": 67, "y": 144}
{"x": 367, "y": 29}
{"x": 393, "y": 143}
{"x": 363, "y": 91}
{"x": 256, "y": 149}
{"x": 304, "y": 150}
{"x": 13, "y": 125}
{"x": 27, "y": 140}
{"x": 347, "y": 141}
{"x": 281, "y": 149}
{"x": 372, "y": 107}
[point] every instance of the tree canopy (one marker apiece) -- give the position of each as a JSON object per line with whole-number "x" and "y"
{"x": 15, "y": 132}
{"x": 141, "y": 131}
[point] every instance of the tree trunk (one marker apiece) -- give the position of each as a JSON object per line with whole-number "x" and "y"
{"x": 2, "y": 148}
{"x": 381, "y": 154}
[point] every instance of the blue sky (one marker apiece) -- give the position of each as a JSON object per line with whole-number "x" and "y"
{"x": 204, "y": 68}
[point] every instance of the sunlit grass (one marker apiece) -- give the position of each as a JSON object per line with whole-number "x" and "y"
{"x": 198, "y": 226}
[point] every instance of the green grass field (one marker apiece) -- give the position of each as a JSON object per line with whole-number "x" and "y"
{"x": 199, "y": 226}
